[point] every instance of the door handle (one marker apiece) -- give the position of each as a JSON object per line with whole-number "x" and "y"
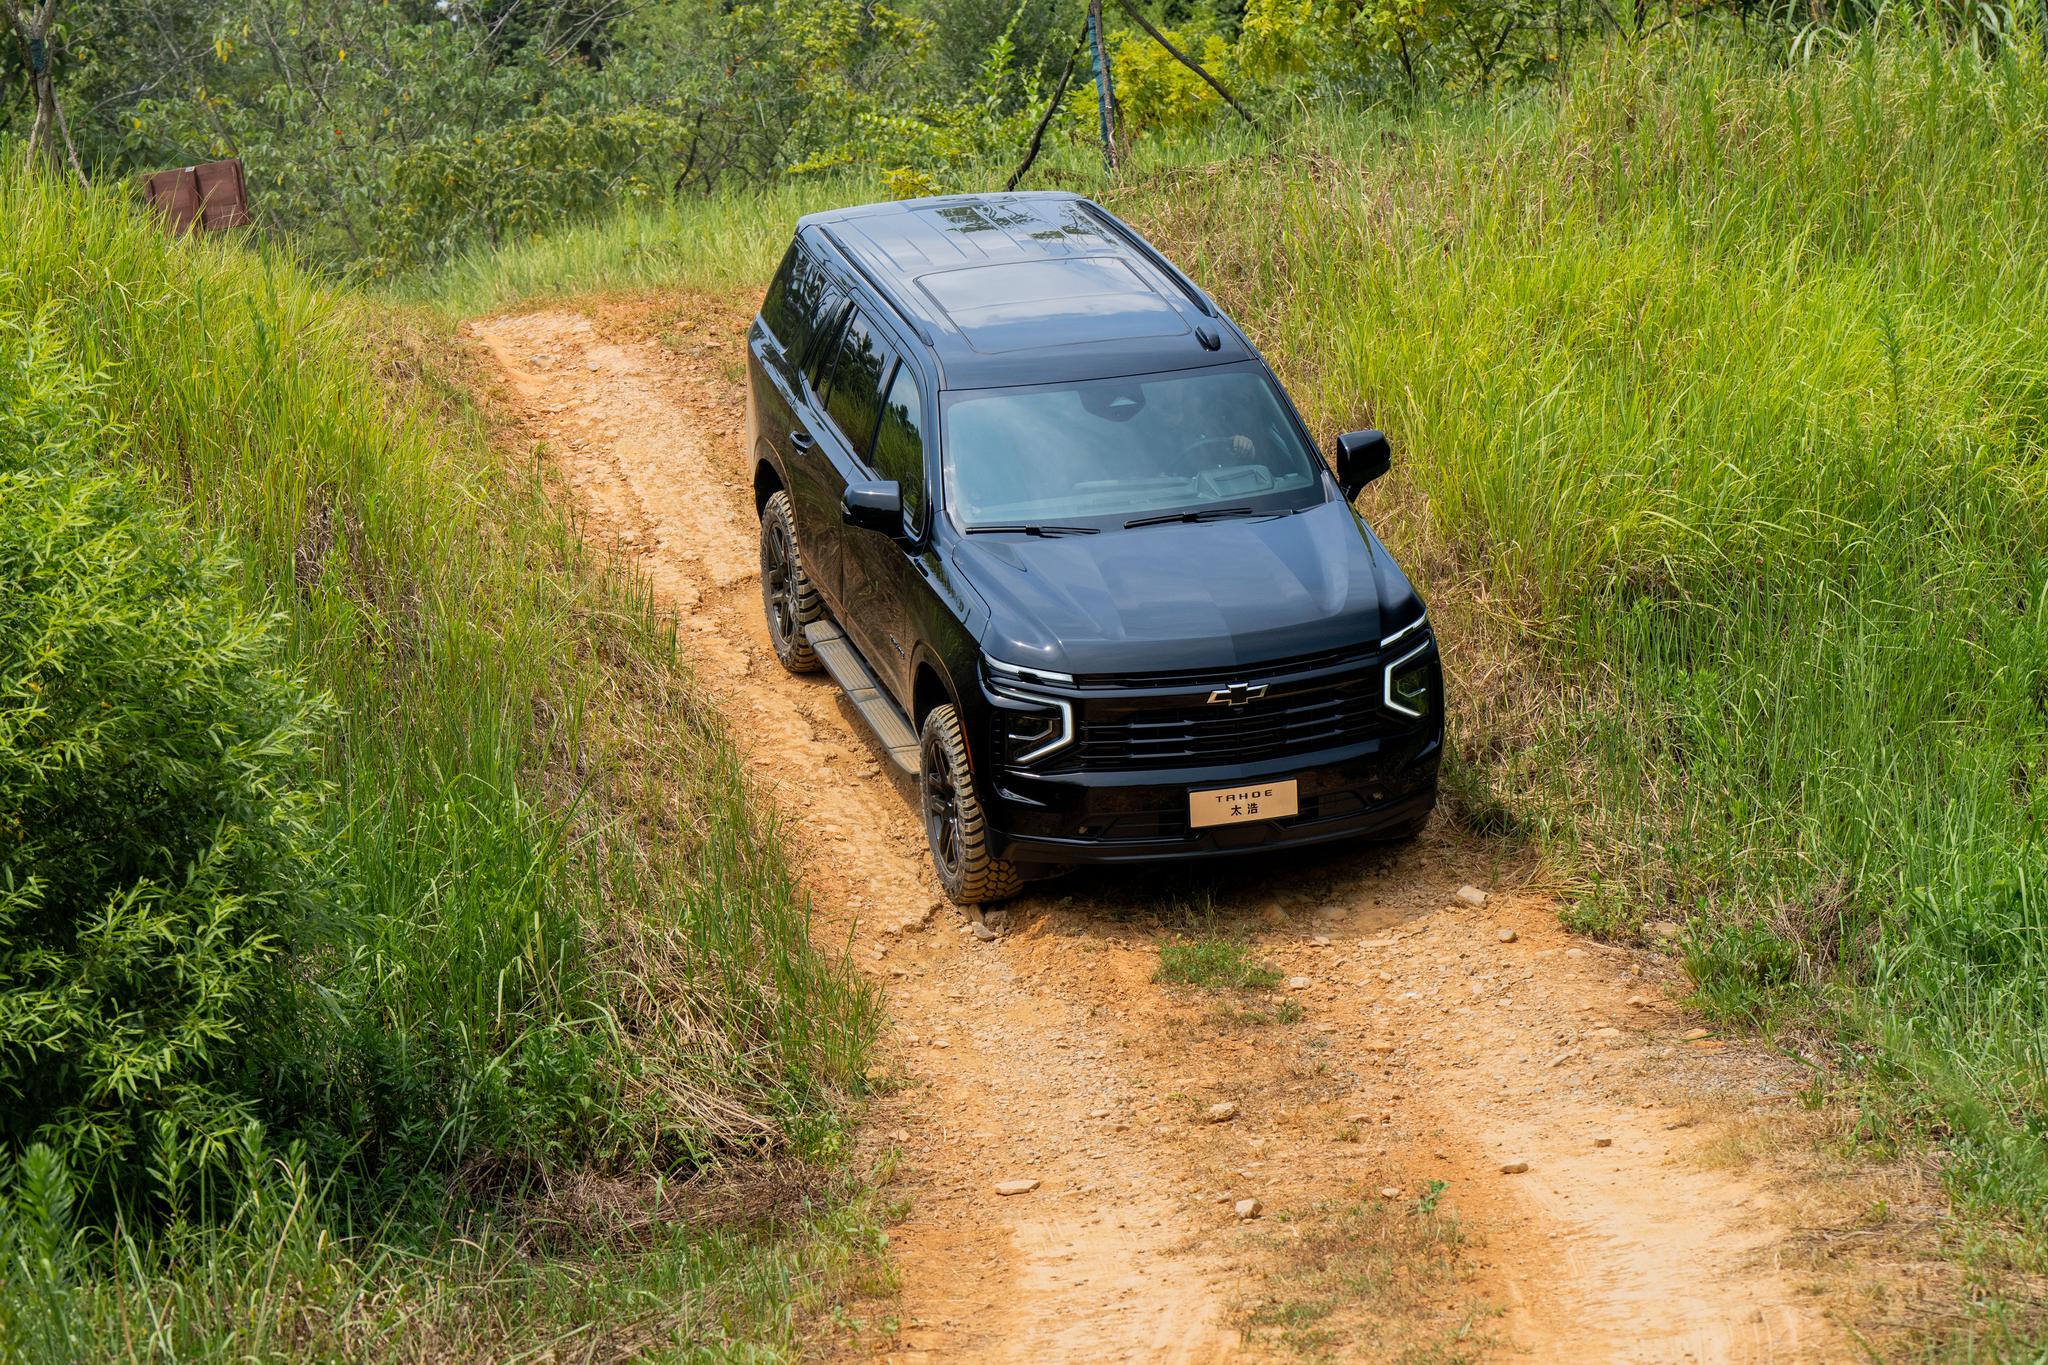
{"x": 801, "y": 441}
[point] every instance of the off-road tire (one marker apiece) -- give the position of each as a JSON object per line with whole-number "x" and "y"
{"x": 954, "y": 824}
{"x": 788, "y": 597}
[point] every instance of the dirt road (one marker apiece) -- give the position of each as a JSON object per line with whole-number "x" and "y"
{"x": 1414, "y": 1048}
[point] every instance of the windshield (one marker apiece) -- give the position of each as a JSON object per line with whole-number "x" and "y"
{"x": 1102, "y": 452}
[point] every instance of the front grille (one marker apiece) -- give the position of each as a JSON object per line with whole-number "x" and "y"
{"x": 1188, "y": 729}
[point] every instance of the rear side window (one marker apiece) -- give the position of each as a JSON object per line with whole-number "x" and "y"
{"x": 801, "y": 305}
{"x": 783, "y": 320}
{"x": 899, "y": 444}
{"x": 823, "y": 329}
{"x": 854, "y": 400}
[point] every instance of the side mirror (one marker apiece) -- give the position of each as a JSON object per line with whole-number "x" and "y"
{"x": 1362, "y": 456}
{"x": 873, "y": 506}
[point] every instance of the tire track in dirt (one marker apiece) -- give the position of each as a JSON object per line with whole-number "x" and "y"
{"x": 1427, "y": 1048}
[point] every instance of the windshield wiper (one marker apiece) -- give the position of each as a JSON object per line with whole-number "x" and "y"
{"x": 1206, "y": 514}
{"x": 1026, "y": 529}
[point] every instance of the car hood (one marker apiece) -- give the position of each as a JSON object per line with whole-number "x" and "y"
{"x": 1206, "y": 595}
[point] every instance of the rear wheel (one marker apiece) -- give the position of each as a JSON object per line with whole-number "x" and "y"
{"x": 954, "y": 824}
{"x": 788, "y": 596}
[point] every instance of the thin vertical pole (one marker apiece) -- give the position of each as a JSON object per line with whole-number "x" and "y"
{"x": 1105, "y": 92}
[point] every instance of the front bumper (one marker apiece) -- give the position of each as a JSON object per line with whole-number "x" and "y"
{"x": 1128, "y": 817}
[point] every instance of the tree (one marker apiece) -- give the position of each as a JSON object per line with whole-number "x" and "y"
{"x": 32, "y": 26}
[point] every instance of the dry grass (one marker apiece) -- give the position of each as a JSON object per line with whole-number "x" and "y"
{"x": 1384, "y": 1279}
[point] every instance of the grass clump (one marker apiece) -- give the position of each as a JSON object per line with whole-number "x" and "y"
{"x": 1390, "y": 1278}
{"x": 370, "y": 877}
{"x": 1214, "y": 963}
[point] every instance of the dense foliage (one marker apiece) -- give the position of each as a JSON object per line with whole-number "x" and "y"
{"x": 161, "y": 879}
{"x": 338, "y": 892}
{"x": 383, "y": 135}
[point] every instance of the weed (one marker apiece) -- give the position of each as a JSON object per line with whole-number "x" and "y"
{"x": 1215, "y": 963}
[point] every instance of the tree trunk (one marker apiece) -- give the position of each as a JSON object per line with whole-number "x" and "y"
{"x": 32, "y": 26}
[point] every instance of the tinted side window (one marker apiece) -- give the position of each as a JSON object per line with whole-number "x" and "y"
{"x": 899, "y": 445}
{"x": 784, "y": 320}
{"x": 854, "y": 400}
{"x": 824, "y": 330}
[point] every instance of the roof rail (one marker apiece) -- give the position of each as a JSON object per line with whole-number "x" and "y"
{"x": 1150, "y": 253}
{"x": 912, "y": 323}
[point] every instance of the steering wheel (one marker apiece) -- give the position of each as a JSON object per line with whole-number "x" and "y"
{"x": 1223, "y": 447}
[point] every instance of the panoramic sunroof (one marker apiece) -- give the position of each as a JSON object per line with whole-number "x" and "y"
{"x": 1051, "y": 303}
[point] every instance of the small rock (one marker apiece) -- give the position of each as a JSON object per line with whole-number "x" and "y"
{"x": 1506, "y": 936}
{"x": 1006, "y": 1188}
{"x": 1390, "y": 1192}
{"x": 1249, "y": 1208}
{"x": 1513, "y": 1167}
{"x": 982, "y": 931}
{"x": 1299, "y": 983}
{"x": 1694, "y": 1034}
{"x": 1641, "y": 1002}
{"x": 1471, "y": 895}
{"x": 1603, "y": 1142}
{"x": 1320, "y": 941}
{"x": 900, "y": 1135}
{"x": 1575, "y": 952}
{"x": 1224, "y": 1112}
{"x": 1609, "y": 1032}
{"x": 940, "y": 1043}
{"x": 1663, "y": 928}
{"x": 1379, "y": 1046}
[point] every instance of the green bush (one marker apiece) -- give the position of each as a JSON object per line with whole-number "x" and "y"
{"x": 160, "y": 874}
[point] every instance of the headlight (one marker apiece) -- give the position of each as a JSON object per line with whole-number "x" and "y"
{"x": 1411, "y": 683}
{"x": 1031, "y": 728}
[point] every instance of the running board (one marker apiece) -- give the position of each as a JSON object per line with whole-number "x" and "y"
{"x": 876, "y": 707}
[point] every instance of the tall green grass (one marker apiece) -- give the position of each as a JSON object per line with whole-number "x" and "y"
{"x": 1719, "y": 389}
{"x": 1731, "y": 381}
{"x": 569, "y": 949}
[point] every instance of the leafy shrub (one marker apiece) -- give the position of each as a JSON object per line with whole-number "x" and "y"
{"x": 159, "y": 873}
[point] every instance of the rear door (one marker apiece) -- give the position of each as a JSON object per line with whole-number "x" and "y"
{"x": 853, "y": 404}
{"x": 815, "y": 480}
{"x": 778, "y": 341}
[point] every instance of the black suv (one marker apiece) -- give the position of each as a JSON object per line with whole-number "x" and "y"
{"x": 1044, "y": 513}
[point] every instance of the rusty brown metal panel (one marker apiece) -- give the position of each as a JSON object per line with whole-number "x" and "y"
{"x": 223, "y": 194}
{"x": 174, "y": 194}
{"x": 208, "y": 197}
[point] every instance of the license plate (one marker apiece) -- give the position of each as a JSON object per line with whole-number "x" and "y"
{"x": 1240, "y": 805}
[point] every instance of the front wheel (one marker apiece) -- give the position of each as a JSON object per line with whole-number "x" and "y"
{"x": 788, "y": 596}
{"x": 954, "y": 824}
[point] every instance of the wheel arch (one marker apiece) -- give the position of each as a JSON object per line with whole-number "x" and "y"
{"x": 930, "y": 688}
{"x": 767, "y": 483}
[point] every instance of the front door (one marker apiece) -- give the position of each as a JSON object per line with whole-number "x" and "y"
{"x": 852, "y": 406}
{"x": 884, "y": 575}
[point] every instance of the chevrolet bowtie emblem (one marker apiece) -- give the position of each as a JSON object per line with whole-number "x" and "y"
{"x": 1237, "y": 694}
